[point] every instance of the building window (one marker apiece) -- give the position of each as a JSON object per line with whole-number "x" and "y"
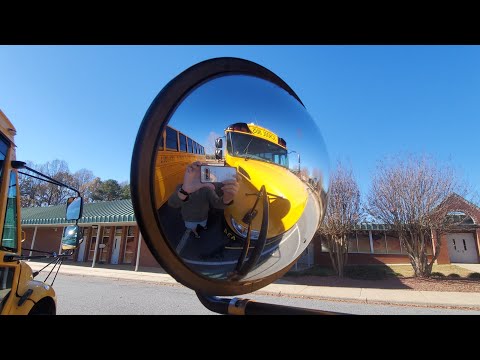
{"x": 352, "y": 243}
{"x": 118, "y": 231}
{"x": 91, "y": 250}
{"x": 379, "y": 244}
{"x": 129, "y": 246}
{"x": 363, "y": 240}
{"x": 104, "y": 246}
{"x": 393, "y": 243}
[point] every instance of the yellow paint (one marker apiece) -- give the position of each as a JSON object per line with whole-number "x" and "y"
{"x": 287, "y": 193}
{"x": 169, "y": 171}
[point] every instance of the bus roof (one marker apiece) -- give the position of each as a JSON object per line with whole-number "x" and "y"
{"x": 6, "y": 127}
{"x": 258, "y": 131}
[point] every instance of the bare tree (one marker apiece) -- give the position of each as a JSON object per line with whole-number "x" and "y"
{"x": 343, "y": 213}
{"x": 86, "y": 183}
{"x": 36, "y": 192}
{"x": 29, "y": 187}
{"x": 409, "y": 196}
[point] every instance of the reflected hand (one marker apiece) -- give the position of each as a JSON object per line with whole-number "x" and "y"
{"x": 191, "y": 180}
{"x": 230, "y": 189}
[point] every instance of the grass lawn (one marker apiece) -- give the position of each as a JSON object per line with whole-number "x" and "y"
{"x": 378, "y": 272}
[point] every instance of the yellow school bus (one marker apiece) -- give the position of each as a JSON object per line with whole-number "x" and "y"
{"x": 20, "y": 294}
{"x": 176, "y": 151}
{"x": 261, "y": 158}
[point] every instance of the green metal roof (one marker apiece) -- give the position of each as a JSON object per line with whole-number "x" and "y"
{"x": 101, "y": 212}
{"x": 370, "y": 226}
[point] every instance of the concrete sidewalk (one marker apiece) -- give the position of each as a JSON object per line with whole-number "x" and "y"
{"x": 285, "y": 287}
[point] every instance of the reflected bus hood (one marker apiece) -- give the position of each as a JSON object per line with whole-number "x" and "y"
{"x": 286, "y": 192}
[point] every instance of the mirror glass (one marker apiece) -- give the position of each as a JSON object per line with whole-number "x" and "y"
{"x": 74, "y": 208}
{"x": 274, "y": 145}
{"x": 71, "y": 235}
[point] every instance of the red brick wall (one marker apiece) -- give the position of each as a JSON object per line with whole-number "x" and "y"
{"x": 146, "y": 257}
{"x": 323, "y": 258}
{"x": 47, "y": 239}
{"x": 365, "y": 259}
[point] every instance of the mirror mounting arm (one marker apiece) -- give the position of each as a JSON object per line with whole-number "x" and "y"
{"x": 239, "y": 306}
{"x": 243, "y": 268}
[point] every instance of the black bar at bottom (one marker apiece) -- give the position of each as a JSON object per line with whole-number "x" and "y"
{"x": 258, "y": 308}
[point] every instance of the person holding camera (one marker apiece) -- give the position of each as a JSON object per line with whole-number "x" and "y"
{"x": 196, "y": 198}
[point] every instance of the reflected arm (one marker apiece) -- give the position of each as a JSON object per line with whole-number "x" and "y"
{"x": 215, "y": 200}
{"x": 174, "y": 200}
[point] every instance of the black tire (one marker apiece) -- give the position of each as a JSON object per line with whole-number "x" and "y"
{"x": 46, "y": 306}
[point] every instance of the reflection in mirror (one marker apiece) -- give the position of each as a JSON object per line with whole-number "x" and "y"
{"x": 74, "y": 208}
{"x": 70, "y": 237}
{"x": 282, "y": 178}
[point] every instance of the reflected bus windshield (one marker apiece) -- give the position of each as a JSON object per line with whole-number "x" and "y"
{"x": 252, "y": 147}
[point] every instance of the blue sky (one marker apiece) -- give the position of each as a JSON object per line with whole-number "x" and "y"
{"x": 84, "y": 104}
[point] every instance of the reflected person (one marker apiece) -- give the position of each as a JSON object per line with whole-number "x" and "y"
{"x": 196, "y": 198}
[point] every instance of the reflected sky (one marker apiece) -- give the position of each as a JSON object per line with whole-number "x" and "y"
{"x": 209, "y": 109}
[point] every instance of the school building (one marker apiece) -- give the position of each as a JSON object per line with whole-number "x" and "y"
{"x": 120, "y": 242}
{"x": 375, "y": 244}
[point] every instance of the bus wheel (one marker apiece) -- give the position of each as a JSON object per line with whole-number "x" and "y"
{"x": 46, "y": 306}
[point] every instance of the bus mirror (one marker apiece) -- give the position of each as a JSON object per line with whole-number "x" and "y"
{"x": 74, "y": 208}
{"x": 71, "y": 237}
{"x": 241, "y": 246}
{"x": 218, "y": 143}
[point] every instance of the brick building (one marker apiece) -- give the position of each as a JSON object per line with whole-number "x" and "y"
{"x": 375, "y": 244}
{"x": 114, "y": 223}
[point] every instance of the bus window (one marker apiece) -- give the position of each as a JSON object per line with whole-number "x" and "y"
{"x": 160, "y": 144}
{"x": 172, "y": 139}
{"x": 190, "y": 145}
{"x": 3, "y": 154}
{"x": 183, "y": 142}
{"x": 9, "y": 235}
{"x": 229, "y": 144}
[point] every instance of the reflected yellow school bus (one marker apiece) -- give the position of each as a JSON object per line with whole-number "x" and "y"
{"x": 261, "y": 158}
{"x": 175, "y": 152}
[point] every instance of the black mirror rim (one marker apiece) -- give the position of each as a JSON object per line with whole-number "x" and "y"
{"x": 143, "y": 157}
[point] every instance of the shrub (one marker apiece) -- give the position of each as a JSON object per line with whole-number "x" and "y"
{"x": 454, "y": 275}
{"x": 371, "y": 272}
{"x": 474, "y": 275}
{"x": 438, "y": 274}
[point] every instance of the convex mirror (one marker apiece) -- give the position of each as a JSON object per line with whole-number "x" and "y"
{"x": 228, "y": 112}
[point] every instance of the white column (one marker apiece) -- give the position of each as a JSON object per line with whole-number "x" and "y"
{"x": 96, "y": 245}
{"x": 371, "y": 241}
{"x": 33, "y": 240}
{"x": 138, "y": 250}
{"x": 61, "y": 235}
